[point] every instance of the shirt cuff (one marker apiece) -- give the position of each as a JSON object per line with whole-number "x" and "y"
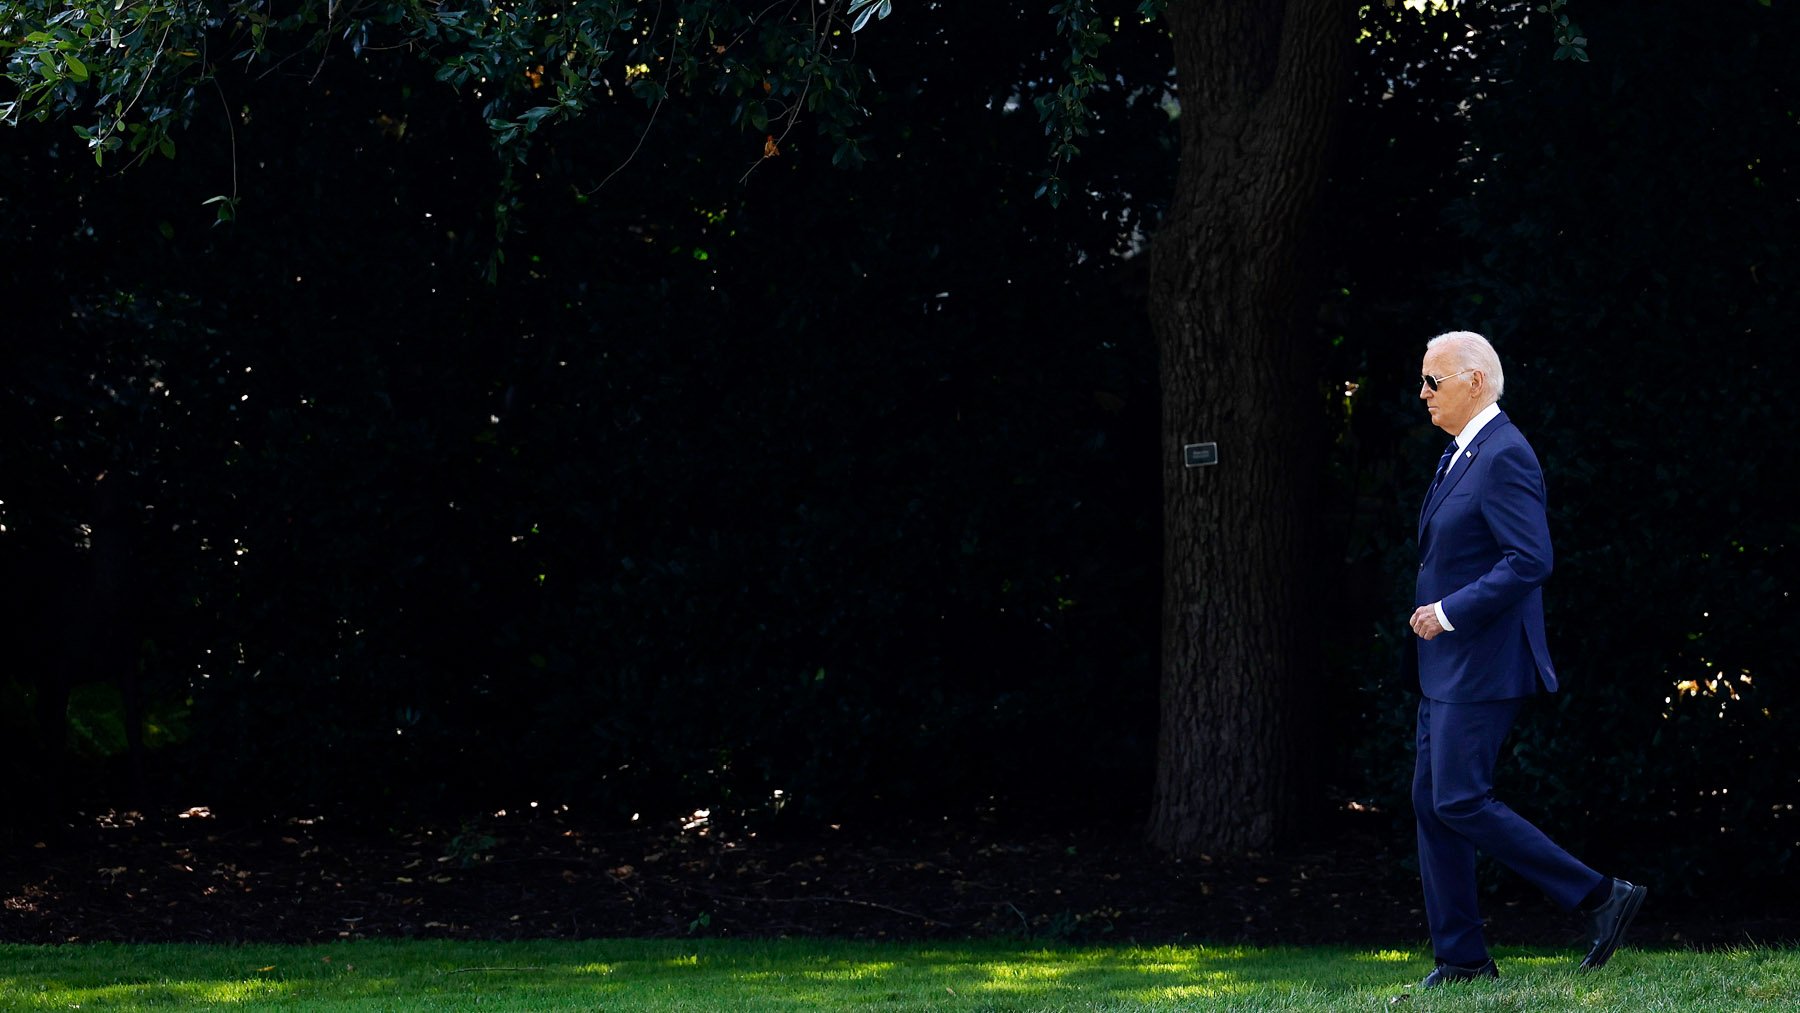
{"x": 1443, "y": 620}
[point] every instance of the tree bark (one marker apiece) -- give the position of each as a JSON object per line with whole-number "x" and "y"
{"x": 1260, "y": 83}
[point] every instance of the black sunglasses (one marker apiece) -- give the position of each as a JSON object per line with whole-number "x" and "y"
{"x": 1432, "y": 381}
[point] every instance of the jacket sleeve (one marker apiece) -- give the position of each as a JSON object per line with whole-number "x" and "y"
{"x": 1513, "y": 507}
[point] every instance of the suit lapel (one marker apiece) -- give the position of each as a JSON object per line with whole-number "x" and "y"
{"x": 1465, "y": 464}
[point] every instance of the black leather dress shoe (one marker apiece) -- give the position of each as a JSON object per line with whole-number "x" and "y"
{"x": 1611, "y": 919}
{"x": 1444, "y": 974}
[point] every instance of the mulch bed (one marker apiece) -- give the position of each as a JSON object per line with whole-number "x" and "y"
{"x": 201, "y": 877}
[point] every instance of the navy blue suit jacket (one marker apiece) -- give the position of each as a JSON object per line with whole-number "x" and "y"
{"x": 1484, "y": 551}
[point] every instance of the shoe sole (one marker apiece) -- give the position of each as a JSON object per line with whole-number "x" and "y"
{"x": 1632, "y": 903}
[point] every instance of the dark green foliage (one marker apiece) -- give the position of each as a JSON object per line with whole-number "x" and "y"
{"x": 1655, "y": 293}
{"x": 1629, "y": 232}
{"x": 835, "y": 484}
{"x": 842, "y": 483}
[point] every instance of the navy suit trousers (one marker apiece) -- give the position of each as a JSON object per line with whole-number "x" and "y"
{"x": 1458, "y": 815}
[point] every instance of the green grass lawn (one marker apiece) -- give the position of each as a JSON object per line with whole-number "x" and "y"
{"x": 812, "y": 975}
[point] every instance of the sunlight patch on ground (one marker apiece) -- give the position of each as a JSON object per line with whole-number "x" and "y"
{"x": 1009, "y": 976}
{"x": 173, "y": 993}
{"x": 1194, "y": 956}
{"x": 241, "y": 991}
{"x": 861, "y": 971}
{"x": 1218, "y": 985}
{"x": 1388, "y": 957}
{"x": 872, "y": 970}
{"x": 1538, "y": 959}
{"x": 1187, "y": 967}
{"x": 596, "y": 969}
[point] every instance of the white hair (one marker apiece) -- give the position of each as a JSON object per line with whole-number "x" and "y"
{"x": 1472, "y": 351}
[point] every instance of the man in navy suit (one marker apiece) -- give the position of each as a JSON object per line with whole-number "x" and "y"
{"x": 1480, "y": 654}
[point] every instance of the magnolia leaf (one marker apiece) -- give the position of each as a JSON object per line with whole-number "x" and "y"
{"x": 866, "y": 9}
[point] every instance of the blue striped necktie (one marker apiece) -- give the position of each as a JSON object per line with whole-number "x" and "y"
{"x": 1442, "y": 470}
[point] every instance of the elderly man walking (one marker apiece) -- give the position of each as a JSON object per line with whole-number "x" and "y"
{"x": 1480, "y": 654}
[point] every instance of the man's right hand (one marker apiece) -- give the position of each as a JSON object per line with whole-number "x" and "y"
{"x": 1425, "y": 622}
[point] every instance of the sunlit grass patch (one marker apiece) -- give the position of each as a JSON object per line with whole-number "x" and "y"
{"x": 670, "y": 975}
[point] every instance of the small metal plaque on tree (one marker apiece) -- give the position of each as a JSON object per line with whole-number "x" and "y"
{"x": 1196, "y": 455}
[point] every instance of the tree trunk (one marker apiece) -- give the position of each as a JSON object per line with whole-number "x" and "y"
{"x": 1260, "y": 81}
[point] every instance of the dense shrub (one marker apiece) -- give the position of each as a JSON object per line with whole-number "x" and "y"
{"x": 1630, "y": 224}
